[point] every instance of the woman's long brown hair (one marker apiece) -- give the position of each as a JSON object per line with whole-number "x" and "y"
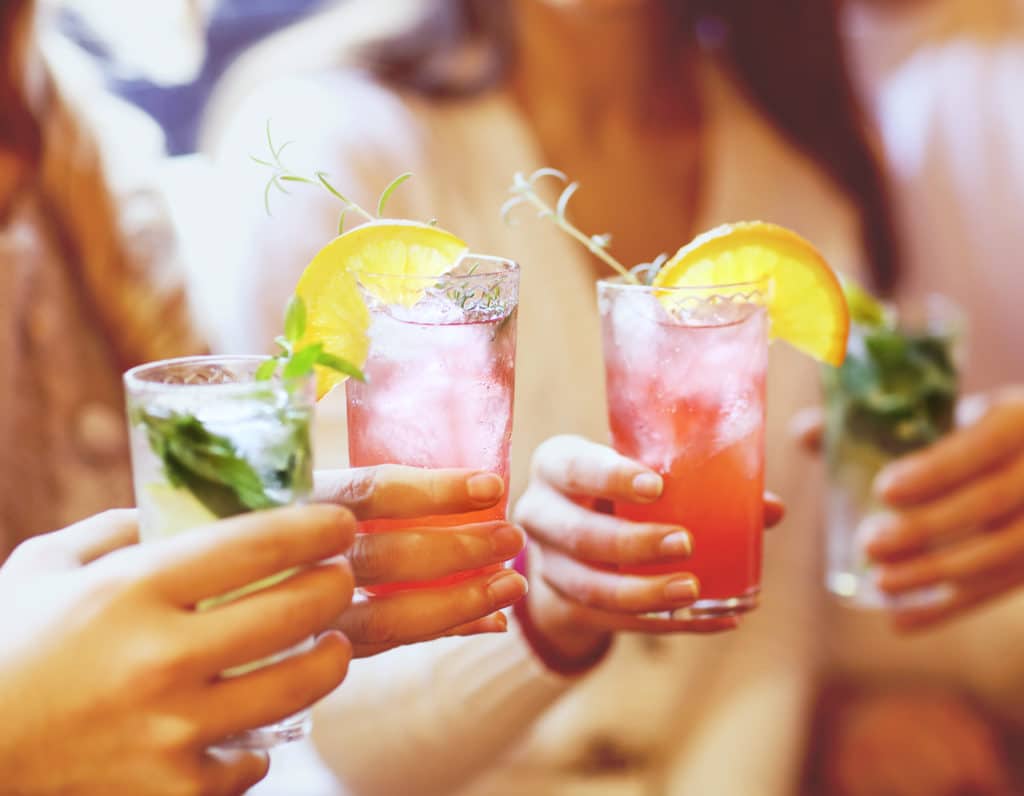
{"x": 787, "y": 55}
{"x": 20, "y": 133}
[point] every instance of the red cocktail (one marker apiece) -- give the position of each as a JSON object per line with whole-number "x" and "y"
{"x": 685, "y": 374}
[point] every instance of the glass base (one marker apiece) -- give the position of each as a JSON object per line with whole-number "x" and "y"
{"x": 294, "y": 728}
{"x": 860, "y": 591}
{"x": 713, "y": 608}
{"x": 721, "y": 608}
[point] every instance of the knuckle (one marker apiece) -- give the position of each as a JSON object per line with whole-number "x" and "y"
{"x": 374, "y": 625}
{"x": 369, "y": 557}
{"x": 357, "y": 491}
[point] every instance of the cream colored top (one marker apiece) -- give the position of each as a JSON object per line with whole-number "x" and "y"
{"x": 717, "y": 716}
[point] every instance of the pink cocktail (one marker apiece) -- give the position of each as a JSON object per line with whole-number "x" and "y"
{"x": 685, "y": 372}
{"x": 440, "y": 377}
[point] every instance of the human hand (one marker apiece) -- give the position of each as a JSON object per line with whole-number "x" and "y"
{"x": 957, "y": 519}
{"x": 109, "y": 677}
{"x": 914, "y": 744}
{"x": 377, "y": 622}
{"x": 573, "y": 602}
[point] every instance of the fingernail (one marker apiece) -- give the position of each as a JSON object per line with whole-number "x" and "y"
{"x": 647, "y": 485}
{"x": 877, "y": 529}
{"x": 505, "y": 587}
{"x": 507, "y": 540}
{"x": 497, "y": 624}
{"x": 680, "y": 590}
{"x": 485, "y": 487}
{"x": 888, "y": 479}
{"x": 676, "y": 544}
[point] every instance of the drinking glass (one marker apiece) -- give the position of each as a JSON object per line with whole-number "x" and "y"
{"x": 895, "y": 393}
{"x": 685, "y": 377}
{"x": 209, "y": 441}
{"x": 440, "y": 377}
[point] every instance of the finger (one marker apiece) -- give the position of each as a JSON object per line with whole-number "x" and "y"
{"x": 613, "y": 592}
{"x": 970, "y": 558}
{"x": 232, "y": 553}
{"x": 495, "y": 623}
{"x": 774, "y": 510}
{"x": 957, "y": 458}
{"x": 977, "y": 504}
{"x": 81, "y": 543}
{"x": 959, "y": 599}
{"x": 577, "y": 466}
{"x": 669, "y": 624}
{"x": 273, "y": 693}
{"x": 557, "y": 522}
{"x": 422, "y": 554}
{"x": 231, "y": 772}
{"x": 396, "y": 492}
{"x": 273, "y": 619}
{"x": 407, "y": 617}
{"x": 808, "y": 428}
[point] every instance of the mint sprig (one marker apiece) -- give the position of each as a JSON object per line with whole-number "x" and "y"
{"x": 296, "y": 362}
{"x": 204, "y": 463}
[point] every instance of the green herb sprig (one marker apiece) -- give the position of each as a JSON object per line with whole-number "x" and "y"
{"x": 524, "y": 191}
{"x": 295, "y": 362}
{"x": 204, "y": 463}
{"x": 280, "y": 174}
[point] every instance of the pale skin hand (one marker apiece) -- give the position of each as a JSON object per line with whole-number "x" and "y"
{"x": 957, "y": 516}
{"x": 576, "y": 605}
{"x": 110, "y": 680}
{"x": 375, "y": 623}
{"x": 956, "y": 513}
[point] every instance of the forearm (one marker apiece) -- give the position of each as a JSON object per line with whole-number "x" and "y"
{"x": 428, "y": 719}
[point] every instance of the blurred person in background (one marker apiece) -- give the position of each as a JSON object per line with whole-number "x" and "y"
{"x": 941, "y": 81}
{"x": 673, "y": 121}
{"x": 89, "y": 286}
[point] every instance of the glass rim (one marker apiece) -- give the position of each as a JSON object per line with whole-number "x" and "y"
{"x": 510, "y": 267}
{"x": 619, "y": 283}
{"x": 135, "y": 380}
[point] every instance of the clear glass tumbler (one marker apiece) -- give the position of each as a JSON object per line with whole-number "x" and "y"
{"x": 895, "y": 393}
{"x": 685, "y": 378}
{"x": 440, "y": 378}
{"x": 210, "y": 441}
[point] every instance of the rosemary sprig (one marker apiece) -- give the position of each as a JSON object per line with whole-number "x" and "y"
{"x": 523, "y": 190}
{"x": 280, "y": 174}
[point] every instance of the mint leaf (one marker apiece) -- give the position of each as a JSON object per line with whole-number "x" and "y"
{"x": 302, "y": 361}
{"x": 340, "y": 365}
{"x": 266, "y": 371}
{"x": 295, "y": 319}
{"x": 205, "y": 463}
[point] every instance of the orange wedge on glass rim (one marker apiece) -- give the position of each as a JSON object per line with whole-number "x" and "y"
{"x": 384, "y": 253}
{"x": 805, "y": 301}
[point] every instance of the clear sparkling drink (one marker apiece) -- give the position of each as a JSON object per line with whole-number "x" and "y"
{"x": 209, "y": 441}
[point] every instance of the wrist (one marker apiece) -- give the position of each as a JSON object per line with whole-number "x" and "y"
{"x": 564, "y": 646}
